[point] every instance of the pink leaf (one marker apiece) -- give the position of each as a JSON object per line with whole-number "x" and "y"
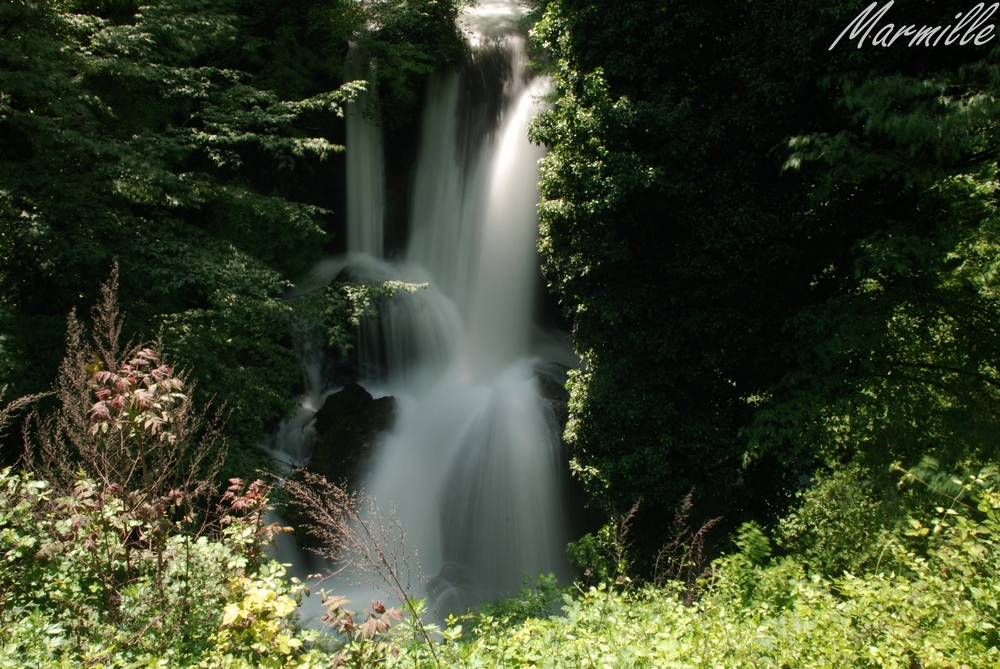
{"x": 105, "y": 377}
{"x": 143, "y": 399}
{"x": 99, "y": 412}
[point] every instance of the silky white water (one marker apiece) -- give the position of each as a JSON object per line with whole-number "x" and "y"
{"x": 473, "y": 469}
{"x": 365, "y": 176}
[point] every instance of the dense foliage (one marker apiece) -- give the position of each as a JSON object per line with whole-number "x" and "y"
{"x": 783, "y": 282}
{"x": 769, "y": 268}
{"x": 79, "y": 587}
{"x": 192, "y": 140}
{"x": 124, "y": 557}
{"x": 212, "y": 601}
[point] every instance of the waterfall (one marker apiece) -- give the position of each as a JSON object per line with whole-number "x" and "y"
{"x": 473, "y": 468}
{"x": 445, "y": 193}
{"x": 500, "y": 313}
{"x": 365, "y": 177}
{"x": 291, "y": 444}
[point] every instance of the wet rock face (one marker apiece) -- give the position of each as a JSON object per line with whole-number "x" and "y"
{"x": 555, "y": 396}
{"x": 349, "y": 423}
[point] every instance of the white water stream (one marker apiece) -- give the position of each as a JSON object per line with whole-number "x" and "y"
{"x": 365, "y": 176}
{"x": 474, "y": 468}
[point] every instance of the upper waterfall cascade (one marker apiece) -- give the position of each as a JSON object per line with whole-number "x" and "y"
{"x": 474, "y": 468}
{"x": 365, "y": 180}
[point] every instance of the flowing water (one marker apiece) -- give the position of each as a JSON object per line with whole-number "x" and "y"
{"x": 365, "y": 175}
{"x": 473, "y": 468}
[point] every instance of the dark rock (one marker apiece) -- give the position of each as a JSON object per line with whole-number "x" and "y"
{"x": 358, "y": 275}
{"x": 555, "y": 396}
{"x": 348, "y": 275}
{"x": 550, "y": 389}
{"x": 348, "y": 426}
{"x": 342, "y": 404}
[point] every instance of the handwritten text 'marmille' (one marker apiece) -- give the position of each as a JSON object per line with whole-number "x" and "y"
{"x": 969, "y": 27}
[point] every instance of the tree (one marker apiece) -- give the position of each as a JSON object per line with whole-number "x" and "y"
{"x": 747, "y": 249}
{"x": 192, "y": 140}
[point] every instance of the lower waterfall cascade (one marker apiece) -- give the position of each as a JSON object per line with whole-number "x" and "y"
{"x": 473, "y": 469}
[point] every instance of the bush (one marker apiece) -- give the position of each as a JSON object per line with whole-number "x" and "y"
{"x": 120, "y": 558}
{"x": 938, "y": 608}
{"x": 111, "y": 563}
{"x": 844, "y": 522}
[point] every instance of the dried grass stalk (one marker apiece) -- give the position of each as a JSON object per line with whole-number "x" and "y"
{"x": 683, "y": 558}
{"x": 358, "y": 537}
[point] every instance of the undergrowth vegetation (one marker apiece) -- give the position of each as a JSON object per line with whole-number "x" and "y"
{"x": 783, "y": 282}
{"x": 87, "y": 580}
{"x": 929, "y": 598}
{"x": 117, "y": 551}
